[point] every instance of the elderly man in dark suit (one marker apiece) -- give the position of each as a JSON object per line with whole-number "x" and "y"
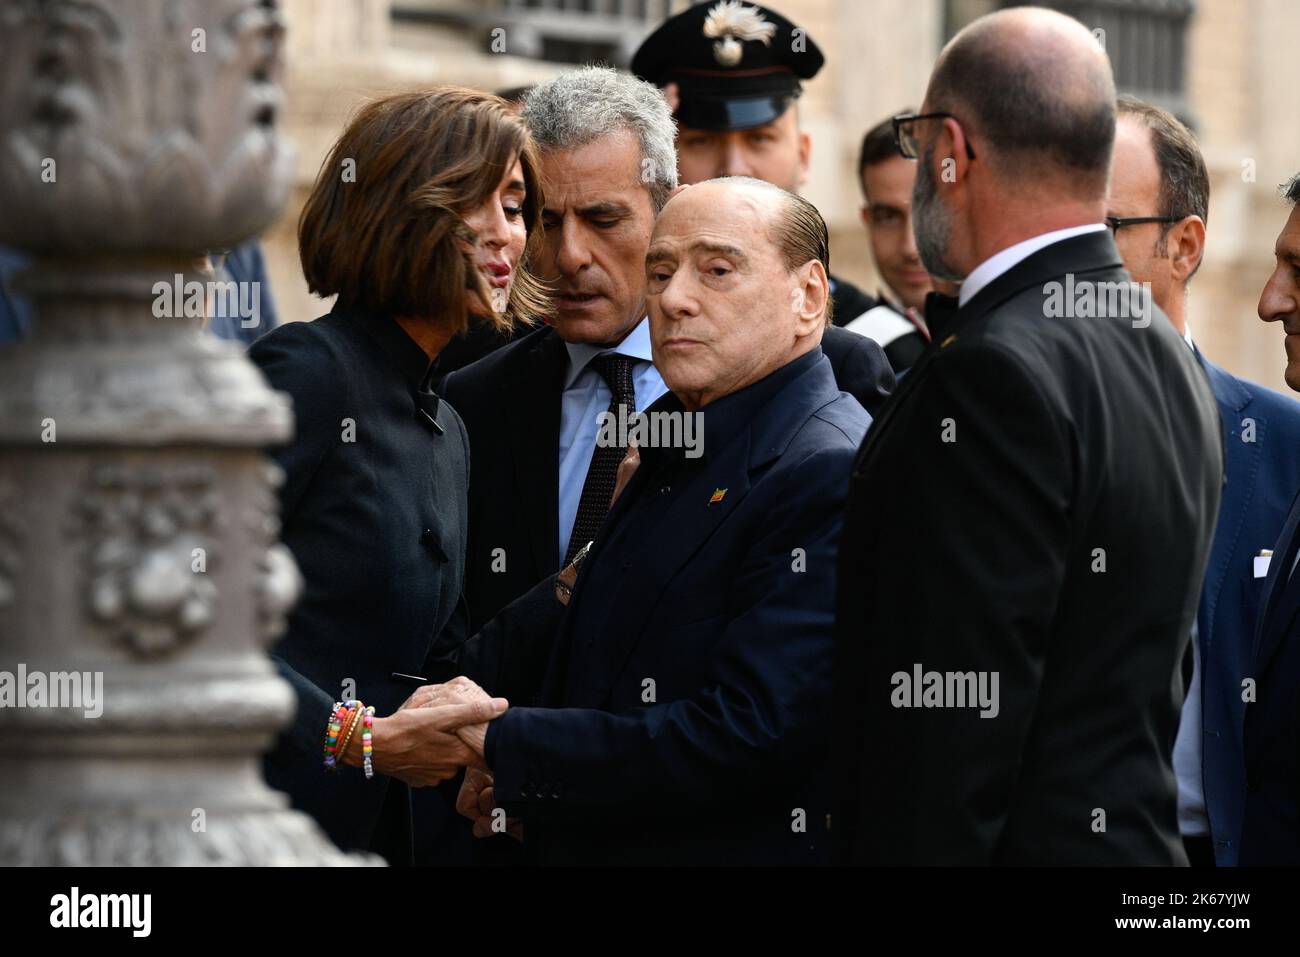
{"x": 684, "y": 691}
{"x": 1029, "y": 520}
{"x": 1270, "y": 832}
{"x": 540, "y": 486}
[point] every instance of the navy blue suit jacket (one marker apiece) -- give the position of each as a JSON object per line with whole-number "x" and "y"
{"x": 1270, "y": 833}
{"x": 726, "y": 602}
{"x": 376, "y": 520}
{"x": 1262, "y": 465}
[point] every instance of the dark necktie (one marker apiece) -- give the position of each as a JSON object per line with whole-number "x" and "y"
{"x": 598, "y": 488}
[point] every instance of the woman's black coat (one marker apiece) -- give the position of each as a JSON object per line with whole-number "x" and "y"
{"x": 373, "y": 508}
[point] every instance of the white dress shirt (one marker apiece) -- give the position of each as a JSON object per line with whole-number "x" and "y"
{"x": 585, "y": 397}
{"x": 1001, "y": 262}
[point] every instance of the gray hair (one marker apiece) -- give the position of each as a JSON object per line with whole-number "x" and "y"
{"x": 582, "y": 105}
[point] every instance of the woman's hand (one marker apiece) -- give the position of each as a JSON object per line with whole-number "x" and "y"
{"x": 419, "y": 745}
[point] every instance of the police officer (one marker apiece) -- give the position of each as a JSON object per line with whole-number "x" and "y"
{"x": 732, "y": 73}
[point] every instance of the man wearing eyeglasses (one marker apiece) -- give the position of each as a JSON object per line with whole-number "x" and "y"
{"x": 898, "y": 323}
{"x": 1158, "y": 208}
{"x": 1046, "y": 486}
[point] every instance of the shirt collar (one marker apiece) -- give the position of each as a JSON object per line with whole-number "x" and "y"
{"x": 1002, "y": 261}
{"x": 635, "y": 345}
{"x": 1187, "y": 337}
{"x": 407, "y": 357}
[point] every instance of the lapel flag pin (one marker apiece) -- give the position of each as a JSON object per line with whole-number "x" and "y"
{"x": 718, "y": 493}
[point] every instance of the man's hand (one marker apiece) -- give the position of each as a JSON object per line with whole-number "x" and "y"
{"x": 475, "y": 738}
{"x": 475, "y": 802}
{"x": 459, "y": 690}
{"x": 420, "y": 746}
{"x": 456, "y": 691}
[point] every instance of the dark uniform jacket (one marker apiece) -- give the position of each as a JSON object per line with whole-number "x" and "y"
{"x": 373, "y": 509}
{"x": 897, "y": 334}
{"x": 1036, "y": 503}
{"x": 684, "y": 692}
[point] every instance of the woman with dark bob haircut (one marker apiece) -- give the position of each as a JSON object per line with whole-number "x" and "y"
{"x": 421, "y": 222}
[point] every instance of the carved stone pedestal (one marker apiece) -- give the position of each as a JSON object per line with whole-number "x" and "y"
{"x": 141, "y": 579}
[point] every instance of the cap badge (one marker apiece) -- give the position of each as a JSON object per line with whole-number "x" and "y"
{"x": 730, "y": 23}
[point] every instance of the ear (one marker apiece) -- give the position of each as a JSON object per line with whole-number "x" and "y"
{"x": 673, "y": 97}
{"x": 805, "y": 155}
{"x": 1188, "y": 247}
{"x": 864, "y": 211}
{"x": 950, "y": 154}
{"x": 811, "y": 298}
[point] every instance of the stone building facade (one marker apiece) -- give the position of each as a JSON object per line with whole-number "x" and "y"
{"x": 1238, "y": 82}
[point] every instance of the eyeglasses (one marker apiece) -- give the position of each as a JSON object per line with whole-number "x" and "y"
{"x": 909, "y": 147}
{"x": 1116, "y": 223}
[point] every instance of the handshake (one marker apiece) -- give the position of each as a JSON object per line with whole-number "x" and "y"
{"x": 437, "y": 731}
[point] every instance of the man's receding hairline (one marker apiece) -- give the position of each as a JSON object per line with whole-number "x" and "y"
{"x": 784, "y": 209}
{"x": 729, "y": 185}
{"x": 1141, "y": 121}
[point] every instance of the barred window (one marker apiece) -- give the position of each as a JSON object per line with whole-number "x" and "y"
{"x": 1145, "y": 39}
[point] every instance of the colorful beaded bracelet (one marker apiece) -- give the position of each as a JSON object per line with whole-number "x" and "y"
{"x": 332, "y": 731}
{"x": 355, "y": 709}
{"x": 367, "y": 746}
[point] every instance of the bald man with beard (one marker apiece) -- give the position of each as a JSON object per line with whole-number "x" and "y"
{"x": 1029, "y": 519}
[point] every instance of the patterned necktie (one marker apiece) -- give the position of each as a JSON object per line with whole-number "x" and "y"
{"x": 598, "y": 488}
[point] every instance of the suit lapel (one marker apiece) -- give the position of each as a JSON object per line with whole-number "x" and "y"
{"x": 530, "y": 412}
{"x": 1091, "y": 252}
{"x": 641, "y": 586}
{"x": 692, "y": 520}
{"x": 914, "y": 377}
